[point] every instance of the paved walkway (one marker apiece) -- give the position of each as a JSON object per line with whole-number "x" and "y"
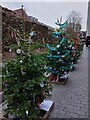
{"x": 71, "y": 99}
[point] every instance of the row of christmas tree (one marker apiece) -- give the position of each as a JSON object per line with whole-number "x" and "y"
{"x": 24, "y": 78}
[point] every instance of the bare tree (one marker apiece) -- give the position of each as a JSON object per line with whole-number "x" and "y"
{"x": 74, "y": 20}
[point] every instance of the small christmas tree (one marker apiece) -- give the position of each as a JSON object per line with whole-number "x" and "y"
{"x": 24, "y": 84}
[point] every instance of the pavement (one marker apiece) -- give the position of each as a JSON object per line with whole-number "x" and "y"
{"x": 71, "y": 99}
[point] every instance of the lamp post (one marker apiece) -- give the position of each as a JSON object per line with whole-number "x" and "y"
{"x": 23, "y": 23}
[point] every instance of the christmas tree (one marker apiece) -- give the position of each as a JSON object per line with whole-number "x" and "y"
{"x": 74, "y": 37}
{"x": 60, "y": 57}
{"x": 24, "y": 84}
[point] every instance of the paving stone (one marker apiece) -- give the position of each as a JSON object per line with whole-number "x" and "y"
{"x": 78, "y": 102}
{"x": 74, "y": 104}
{"x": 53, "y": 116}
{"x": 63, "y": 116}
{"x": 66, "y": 104}
{"x": 84, "y": 109}
{"x": 82, "y": 116}
{"x": 73, "y": 115}
{"x": 73, "y": 110}
{"x": 81, "y": 112}
{"x": 80, "y": 105}
{"x": 61, "y": 112}
{"x": 85, "y": 103}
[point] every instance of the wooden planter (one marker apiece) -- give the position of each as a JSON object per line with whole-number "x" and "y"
{"x": 54, "y": 79}
{"x": 44, "y": 115}
{"x": 62, "y": 82}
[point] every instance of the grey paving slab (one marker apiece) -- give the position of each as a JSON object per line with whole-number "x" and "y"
{"x": 71, "y": 99}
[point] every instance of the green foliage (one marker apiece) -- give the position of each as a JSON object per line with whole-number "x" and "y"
{"x": 36, "y": 46}
{"x": 24, "y": 83}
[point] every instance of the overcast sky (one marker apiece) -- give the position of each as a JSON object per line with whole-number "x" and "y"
{"x": 48, "y": 12}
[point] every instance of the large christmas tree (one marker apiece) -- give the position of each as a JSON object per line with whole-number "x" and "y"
{"x": 24, "y": 84}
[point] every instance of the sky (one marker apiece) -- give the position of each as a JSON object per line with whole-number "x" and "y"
{"x": 48, "y": 12}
